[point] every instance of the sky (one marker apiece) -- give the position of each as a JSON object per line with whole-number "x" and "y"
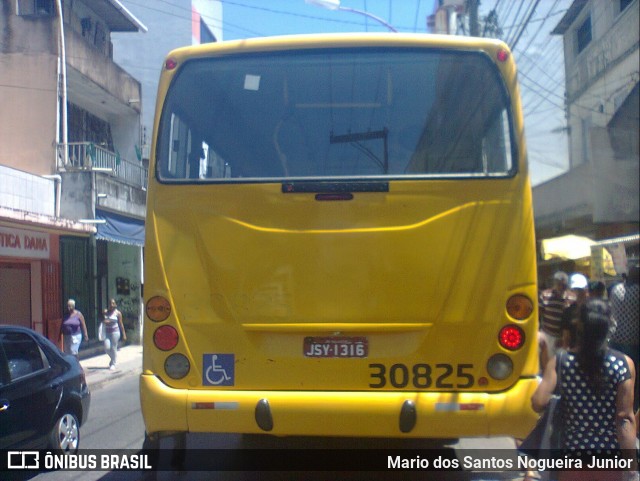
{"x": 538, "y": 54}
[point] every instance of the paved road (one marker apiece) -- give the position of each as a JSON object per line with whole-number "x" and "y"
{"x": 114, "y": 421}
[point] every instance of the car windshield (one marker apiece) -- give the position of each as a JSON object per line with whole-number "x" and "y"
{"x": 336, "y": 113}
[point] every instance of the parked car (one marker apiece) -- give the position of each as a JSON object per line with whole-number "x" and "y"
{"x": 44, "y": 397}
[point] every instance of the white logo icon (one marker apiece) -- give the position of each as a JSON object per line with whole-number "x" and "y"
{"x": 216, "y": 373}
{"x": 23, "y": 460}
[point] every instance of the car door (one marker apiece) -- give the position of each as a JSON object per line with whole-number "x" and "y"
{"x": 29, "y": 392}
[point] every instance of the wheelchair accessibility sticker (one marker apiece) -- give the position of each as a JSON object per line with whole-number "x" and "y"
{"x": 218, "y": 369}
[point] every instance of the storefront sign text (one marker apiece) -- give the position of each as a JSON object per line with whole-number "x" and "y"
{"x": 24, "y": 243}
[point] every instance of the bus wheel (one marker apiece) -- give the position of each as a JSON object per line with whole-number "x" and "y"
{"x": 151, "y": 446}
{"x": 179, "y": 451}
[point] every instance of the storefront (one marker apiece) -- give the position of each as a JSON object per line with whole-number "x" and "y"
{"x": 119, "y": 247}
{"x": 605, "y": 260}
{"x": 30, "y": 278}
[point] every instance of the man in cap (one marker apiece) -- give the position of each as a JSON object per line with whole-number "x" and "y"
{"x": 579, "y": 285}
{"x": 553, "y": 303}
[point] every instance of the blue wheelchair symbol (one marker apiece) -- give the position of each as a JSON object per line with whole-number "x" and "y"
{"x": 218, "y": 369}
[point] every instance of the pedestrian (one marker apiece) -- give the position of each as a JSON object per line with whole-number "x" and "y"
{"x": 114, "y": 330}
{"x": 579, "y": 287}
{"x": 597, "y": 395}
{"x": 552, "y": 304}
{"x": 597, "y": 290}
{"x": 625, "y": 311}
{"x": 72, "y": 329}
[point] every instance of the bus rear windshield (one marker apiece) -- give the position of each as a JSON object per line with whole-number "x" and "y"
{"x": 308, "y": 114}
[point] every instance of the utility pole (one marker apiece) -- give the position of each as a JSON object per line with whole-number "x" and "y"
{"x": 472, "y": 9}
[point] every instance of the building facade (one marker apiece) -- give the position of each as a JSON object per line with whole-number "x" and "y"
{"x": 174, "y": 24}
{"x": 71, "y": 173}
{"x": 597, "y": 197}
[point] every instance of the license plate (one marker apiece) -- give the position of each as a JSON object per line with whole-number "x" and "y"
{"x": 344, "y": 347}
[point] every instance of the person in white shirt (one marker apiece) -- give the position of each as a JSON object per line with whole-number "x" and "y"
{"x": 114, "y": 331}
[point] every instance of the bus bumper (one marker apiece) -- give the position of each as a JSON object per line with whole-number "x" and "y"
{"x": 313, "y": 413}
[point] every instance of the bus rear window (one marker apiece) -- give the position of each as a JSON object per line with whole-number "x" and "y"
{"x": 389, "y": 113}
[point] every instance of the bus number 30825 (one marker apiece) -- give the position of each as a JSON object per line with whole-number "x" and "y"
{"x": 421, "y": 376}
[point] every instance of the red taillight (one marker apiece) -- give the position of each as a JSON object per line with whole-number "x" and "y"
{"x": 511, "y": 337}
{"x": 170, "y": 64}
{"x": 502, "y": 55}
{"x": 165, "y": 338}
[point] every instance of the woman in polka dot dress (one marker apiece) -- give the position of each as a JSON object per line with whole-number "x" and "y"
{"x": 597, "y": 396}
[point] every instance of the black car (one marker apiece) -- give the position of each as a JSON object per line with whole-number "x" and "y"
{"x": 44, "y": 397}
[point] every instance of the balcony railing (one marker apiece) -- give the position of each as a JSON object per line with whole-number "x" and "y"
{"x": 89, "y": 156}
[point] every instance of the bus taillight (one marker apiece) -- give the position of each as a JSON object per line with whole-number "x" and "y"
{"x": 165, "y": 338}
{"x": 511, "y": 337}
{"x": 170, "y": 63}
{"x": 519, "y": 307}
{"x": 158, "y": 309}
{"x": 499, "y": 367}
{"x": 502, "y": 55}
{"x": 177, "y": 366}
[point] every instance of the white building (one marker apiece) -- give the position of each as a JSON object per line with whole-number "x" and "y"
{"x": 598, "y": 196}
{"x": 69, "y": 169}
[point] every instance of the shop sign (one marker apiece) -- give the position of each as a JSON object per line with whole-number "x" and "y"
{"x": 24, "y": 243}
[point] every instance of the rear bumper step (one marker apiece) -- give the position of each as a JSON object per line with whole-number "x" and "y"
{"x": 329, "y": 413}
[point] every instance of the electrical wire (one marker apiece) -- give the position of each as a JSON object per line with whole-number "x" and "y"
{"x": 188, "y": 13}
{"x": 22, "y": 87}
{"x": 415, "y": 19}
{"x": 524, "y": 25}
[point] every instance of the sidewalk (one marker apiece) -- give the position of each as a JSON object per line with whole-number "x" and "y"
{"x": 96, "y": 368}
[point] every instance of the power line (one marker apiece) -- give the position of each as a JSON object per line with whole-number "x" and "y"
{"x": 22, "y": 87}
{"x": 187, "y": 15}
{"x": 524, "y": 26}
{"x": 556, "y": 81}
{"x": 302, "y": 15}
{"x": 507, "y": 16}
{"x": 415, "y": 20}
{"x": 532, "y": 63}
{"x": 536, "y": 20}
{"x": 529, "y": 79}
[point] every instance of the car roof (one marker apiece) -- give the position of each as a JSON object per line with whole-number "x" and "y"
{"x": 17, "y": 328}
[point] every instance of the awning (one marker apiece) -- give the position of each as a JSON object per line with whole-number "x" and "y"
{"x": 567, "y": 247}
{"x": 574, "y": 247}
{"x": 628, "y": 239}
{"x": 119, "y": 228}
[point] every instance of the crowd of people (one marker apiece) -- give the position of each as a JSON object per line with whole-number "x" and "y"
{"x": 596, "y": 339}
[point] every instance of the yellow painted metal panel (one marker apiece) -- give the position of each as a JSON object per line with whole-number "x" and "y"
{"x": 344, "y": 413}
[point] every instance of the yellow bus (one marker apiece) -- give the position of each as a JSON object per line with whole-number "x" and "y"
{"x": 340, "y": 241}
